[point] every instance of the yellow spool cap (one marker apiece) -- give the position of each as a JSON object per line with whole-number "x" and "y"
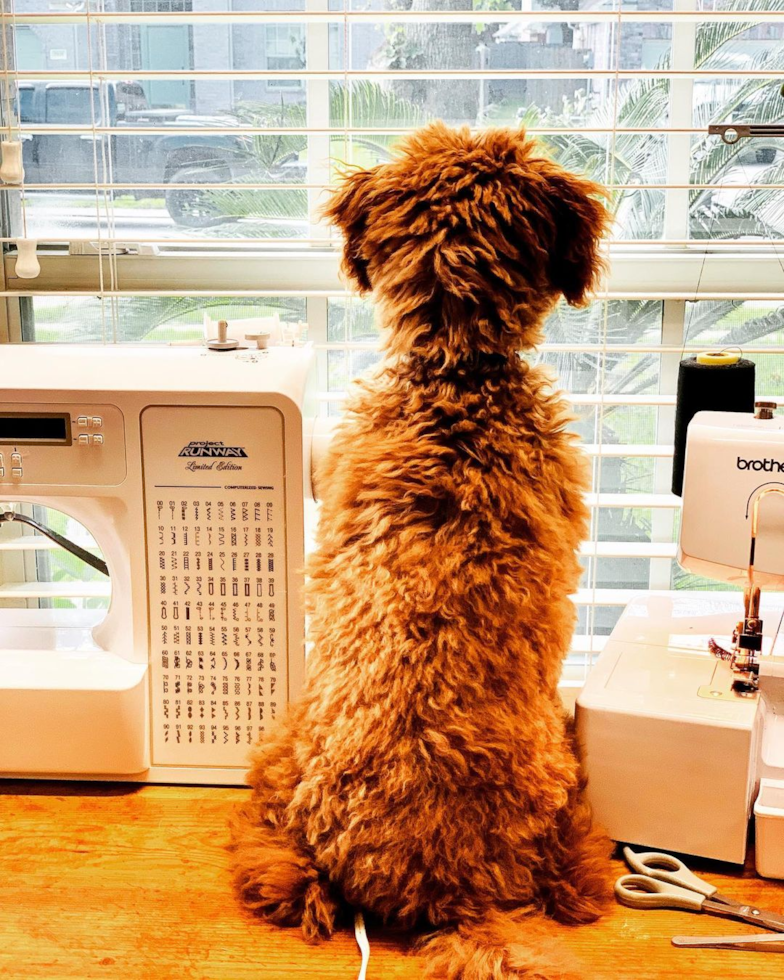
{"x": 720, "y": 357}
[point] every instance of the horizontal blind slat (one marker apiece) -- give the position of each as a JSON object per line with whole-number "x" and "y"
{"x": 342, "y": 131}
{"x": 620, "y": 597}
{"x": 100, "y": 294}
{"x": 408, "y": 74}
{"x": 35, "y": 542}
{"x": 55, "y": 590}
{"x": 653, "y": 450}
{"x": 476, "y": 16}
{"x": 641, "y": 500}
{"x": 289, "y": 186}
{"x": 627, "y": 549}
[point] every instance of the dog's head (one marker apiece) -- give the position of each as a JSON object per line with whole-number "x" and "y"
{"x": 468, "y": 240}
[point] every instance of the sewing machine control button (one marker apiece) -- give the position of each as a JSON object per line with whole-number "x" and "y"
{"x": 16, "y": 472}
{"x": 16, "y": 459}
{"x": 82, "y": 421}
{"x": 98, "y": 440}
{"x": 97, "y": 422}
{"x": 83, "y": 440}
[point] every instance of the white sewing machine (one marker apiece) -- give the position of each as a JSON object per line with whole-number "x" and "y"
{"x": 679, "y": 742}
{"x": 187, "y": 467}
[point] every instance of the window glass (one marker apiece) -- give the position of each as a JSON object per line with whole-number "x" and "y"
{"x": 68, "y": 105}
{"x": 245, "y": 101}
{"x": 153, "y": 319}
{"x": 740, "y": 323}
{"x": 56, "y": 578}
{"x": 25, "y": 103}
{"x": 219, "y": 128}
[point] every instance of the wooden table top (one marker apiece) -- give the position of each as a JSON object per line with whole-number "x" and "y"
{"x": 121, "y": 881}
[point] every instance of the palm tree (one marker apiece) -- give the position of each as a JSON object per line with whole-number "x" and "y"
{"x": 634, "y": 158}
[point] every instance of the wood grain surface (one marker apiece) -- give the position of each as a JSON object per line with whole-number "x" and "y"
{"x": 130, "y": 883}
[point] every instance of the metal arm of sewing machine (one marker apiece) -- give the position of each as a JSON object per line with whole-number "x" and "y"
{"x": 744, "y": 657}
{"x": 747, "y": 637}
{"x": 8, "y": 516}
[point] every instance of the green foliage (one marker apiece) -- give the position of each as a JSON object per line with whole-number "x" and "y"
{"x": 281, "y": 157}
{"x": 272, "y": 151}
{"x": 366, "y": 104}
{"x": 400, "y": 50}
{"x": 631, "y": 158}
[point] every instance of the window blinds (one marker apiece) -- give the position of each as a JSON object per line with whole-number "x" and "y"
{"x": 177, "y": 153}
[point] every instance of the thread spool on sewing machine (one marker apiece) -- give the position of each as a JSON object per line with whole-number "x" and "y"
{"x": 192, "y": 470}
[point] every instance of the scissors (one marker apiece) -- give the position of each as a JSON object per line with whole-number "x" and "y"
{"x": 664, "y": 882}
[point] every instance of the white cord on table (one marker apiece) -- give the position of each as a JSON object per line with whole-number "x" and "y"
{"x": 362, "y": 942}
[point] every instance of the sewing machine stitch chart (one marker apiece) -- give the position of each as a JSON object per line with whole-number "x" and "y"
{"x": 216, "y": 561}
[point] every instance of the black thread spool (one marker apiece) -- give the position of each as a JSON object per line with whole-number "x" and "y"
{"x": 707, "y": 383}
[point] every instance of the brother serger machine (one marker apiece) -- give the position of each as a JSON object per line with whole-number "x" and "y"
{"x": 682, "y": 718}
{"x": 187, "y": 467}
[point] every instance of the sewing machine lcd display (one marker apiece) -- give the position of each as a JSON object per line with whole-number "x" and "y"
{"x": 35, "y": 429}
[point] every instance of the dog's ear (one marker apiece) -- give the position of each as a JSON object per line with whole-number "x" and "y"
{"x": 347, "y": 208}
{"x": 580, "y": 219}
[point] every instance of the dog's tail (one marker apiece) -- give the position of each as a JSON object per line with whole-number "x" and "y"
{"x": 518, "y": 945}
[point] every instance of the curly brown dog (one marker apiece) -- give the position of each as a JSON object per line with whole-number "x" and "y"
{"x": 428, "y": 774}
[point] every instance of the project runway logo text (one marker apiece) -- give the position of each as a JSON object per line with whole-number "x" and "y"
{"x": 212, "y": 450}
{"x": 217, "y": 453}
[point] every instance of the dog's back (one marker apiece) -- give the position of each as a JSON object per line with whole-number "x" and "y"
{"x": 452, "y": 510}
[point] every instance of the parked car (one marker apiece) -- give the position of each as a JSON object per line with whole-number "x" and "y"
{"x": 164, "y": 159}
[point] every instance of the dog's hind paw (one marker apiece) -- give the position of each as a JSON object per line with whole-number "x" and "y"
{"x": 576, "y": 883}
{"x": 572, "y": 907}
{"x": 273, "y": 882}
{"x": 284, "y": 887}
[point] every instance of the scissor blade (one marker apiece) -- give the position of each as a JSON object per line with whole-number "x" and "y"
{"x": 745, "y": 913}
{"x": 766, "y": 944}
{"x": 767, "y": 920}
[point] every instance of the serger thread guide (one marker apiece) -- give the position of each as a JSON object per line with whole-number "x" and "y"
{"x": 187, "y": 467}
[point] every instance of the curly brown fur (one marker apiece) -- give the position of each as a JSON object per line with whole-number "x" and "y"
{"x": 502, "y": 946}
{"x": 428, "y": 774}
